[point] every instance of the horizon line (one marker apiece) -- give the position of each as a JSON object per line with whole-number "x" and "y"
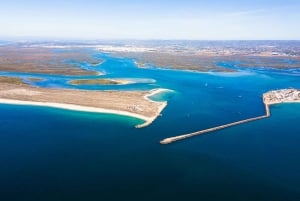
{"x": 36, "y": 38}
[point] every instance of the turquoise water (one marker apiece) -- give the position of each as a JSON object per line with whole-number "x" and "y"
{"x": 53, "y": 154}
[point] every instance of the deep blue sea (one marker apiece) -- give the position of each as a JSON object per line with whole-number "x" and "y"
{"x": 54, "y": 154}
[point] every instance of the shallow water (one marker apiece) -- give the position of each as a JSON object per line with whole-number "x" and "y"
{"x": 53, "y": 154}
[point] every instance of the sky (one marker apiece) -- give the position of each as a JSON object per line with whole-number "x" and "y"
{"x": 153, "y": 19}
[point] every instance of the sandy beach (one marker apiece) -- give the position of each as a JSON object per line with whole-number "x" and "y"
{"x": 157, "y": 91}
{"x": 147, "y": 120}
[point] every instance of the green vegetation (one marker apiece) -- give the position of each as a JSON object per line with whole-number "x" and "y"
{"x": 45, "y": 60}
{"x": 11, "y": 80}
{"x": 95, "y": 81}
{"x": 35, "y": 79}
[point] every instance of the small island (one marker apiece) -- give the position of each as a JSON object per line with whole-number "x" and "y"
{"x": 35, "y": 79}
{"x": 269, "y": 98}
{"x": 100, "y": 81}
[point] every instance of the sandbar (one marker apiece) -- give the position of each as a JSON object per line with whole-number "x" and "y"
{"x": 100, "y": 81}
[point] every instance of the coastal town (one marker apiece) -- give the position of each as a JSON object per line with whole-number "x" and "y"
{"x": 281, "y": 96}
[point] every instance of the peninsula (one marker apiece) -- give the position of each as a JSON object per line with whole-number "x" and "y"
{"x": 128, "y": 103}
{"x": 269, "y": 98}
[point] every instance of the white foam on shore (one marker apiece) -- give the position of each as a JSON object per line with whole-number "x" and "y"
{"x": 232, "y": 74}
{"x": 157, "y": 91}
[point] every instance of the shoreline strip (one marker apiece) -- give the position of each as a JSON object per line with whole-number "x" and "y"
{"x": 72, "y": 107}
{"x": 160, "y": 108}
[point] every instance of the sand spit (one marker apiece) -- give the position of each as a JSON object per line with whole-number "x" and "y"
{"x": 128, "y": 103}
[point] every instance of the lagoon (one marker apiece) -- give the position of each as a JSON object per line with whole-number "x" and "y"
{"x": 55, "y": 154}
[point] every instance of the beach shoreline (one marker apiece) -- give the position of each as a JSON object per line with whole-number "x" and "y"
{"x": 73, "y": 108}
{"x": 156, "y": 91}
